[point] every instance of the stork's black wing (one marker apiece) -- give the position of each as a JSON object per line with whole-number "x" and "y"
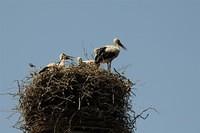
{"x": 99, "y": 54}
{"x": 102, "y": 54}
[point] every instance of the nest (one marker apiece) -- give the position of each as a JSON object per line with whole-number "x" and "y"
{"x": 76, "y": 99}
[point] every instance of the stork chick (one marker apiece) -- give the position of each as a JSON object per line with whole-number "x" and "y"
{"x": 87, "y": 62}
{"x": 107, "y": 53}
{"x": 63, "y": 57}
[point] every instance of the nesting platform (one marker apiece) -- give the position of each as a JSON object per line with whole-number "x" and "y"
{"x": 76, "y": 99}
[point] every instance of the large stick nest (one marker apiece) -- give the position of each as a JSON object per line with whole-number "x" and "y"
{"x": 76, "y": 98}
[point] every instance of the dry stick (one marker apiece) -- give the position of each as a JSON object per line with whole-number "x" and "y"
{"x": 83, "y": 87}
{"x": 19, "y": 87}
{"x": 70, "y": 122}
{"x": 113, "y": 96}
{"x": 19, "y": 121}
{"x": 54, "y": 129}
{"x": 8, "y": 93}
{"x": 85, "y": 53}
{"x": 79, "y": 102}
{"x": 141, "y": 114}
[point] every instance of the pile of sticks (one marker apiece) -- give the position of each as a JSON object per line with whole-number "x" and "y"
{"x": 76, "y": 98}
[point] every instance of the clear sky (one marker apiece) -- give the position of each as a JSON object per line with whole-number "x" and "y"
{"x": 162, "y": 37}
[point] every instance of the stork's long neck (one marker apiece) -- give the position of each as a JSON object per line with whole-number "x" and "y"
{"x": 62, "y": 62}
{"x": 117, "y": 45}
{"x": 80, "y": 61}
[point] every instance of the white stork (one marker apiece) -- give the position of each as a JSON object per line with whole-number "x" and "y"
{"x": 107, "y": 53}
{"x": 63, "y": 57}
{"x": 87, "y": 62}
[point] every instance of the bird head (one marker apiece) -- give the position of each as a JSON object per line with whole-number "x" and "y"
{"x": 118, "y": 42}
{"x": 79, "y": 60}
{"x": 65, "y": 57}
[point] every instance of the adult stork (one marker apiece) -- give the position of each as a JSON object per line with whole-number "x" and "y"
{"x": 107, "y": 53}
{"x": 63, "y": 57}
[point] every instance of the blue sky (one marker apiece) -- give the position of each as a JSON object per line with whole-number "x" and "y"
{"x": 162, "y": 37}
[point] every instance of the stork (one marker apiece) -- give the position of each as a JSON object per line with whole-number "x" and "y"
{"x": 87, "y": 62}
{"x": 63, "y": 57}
{"x": 107, "y": 53}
